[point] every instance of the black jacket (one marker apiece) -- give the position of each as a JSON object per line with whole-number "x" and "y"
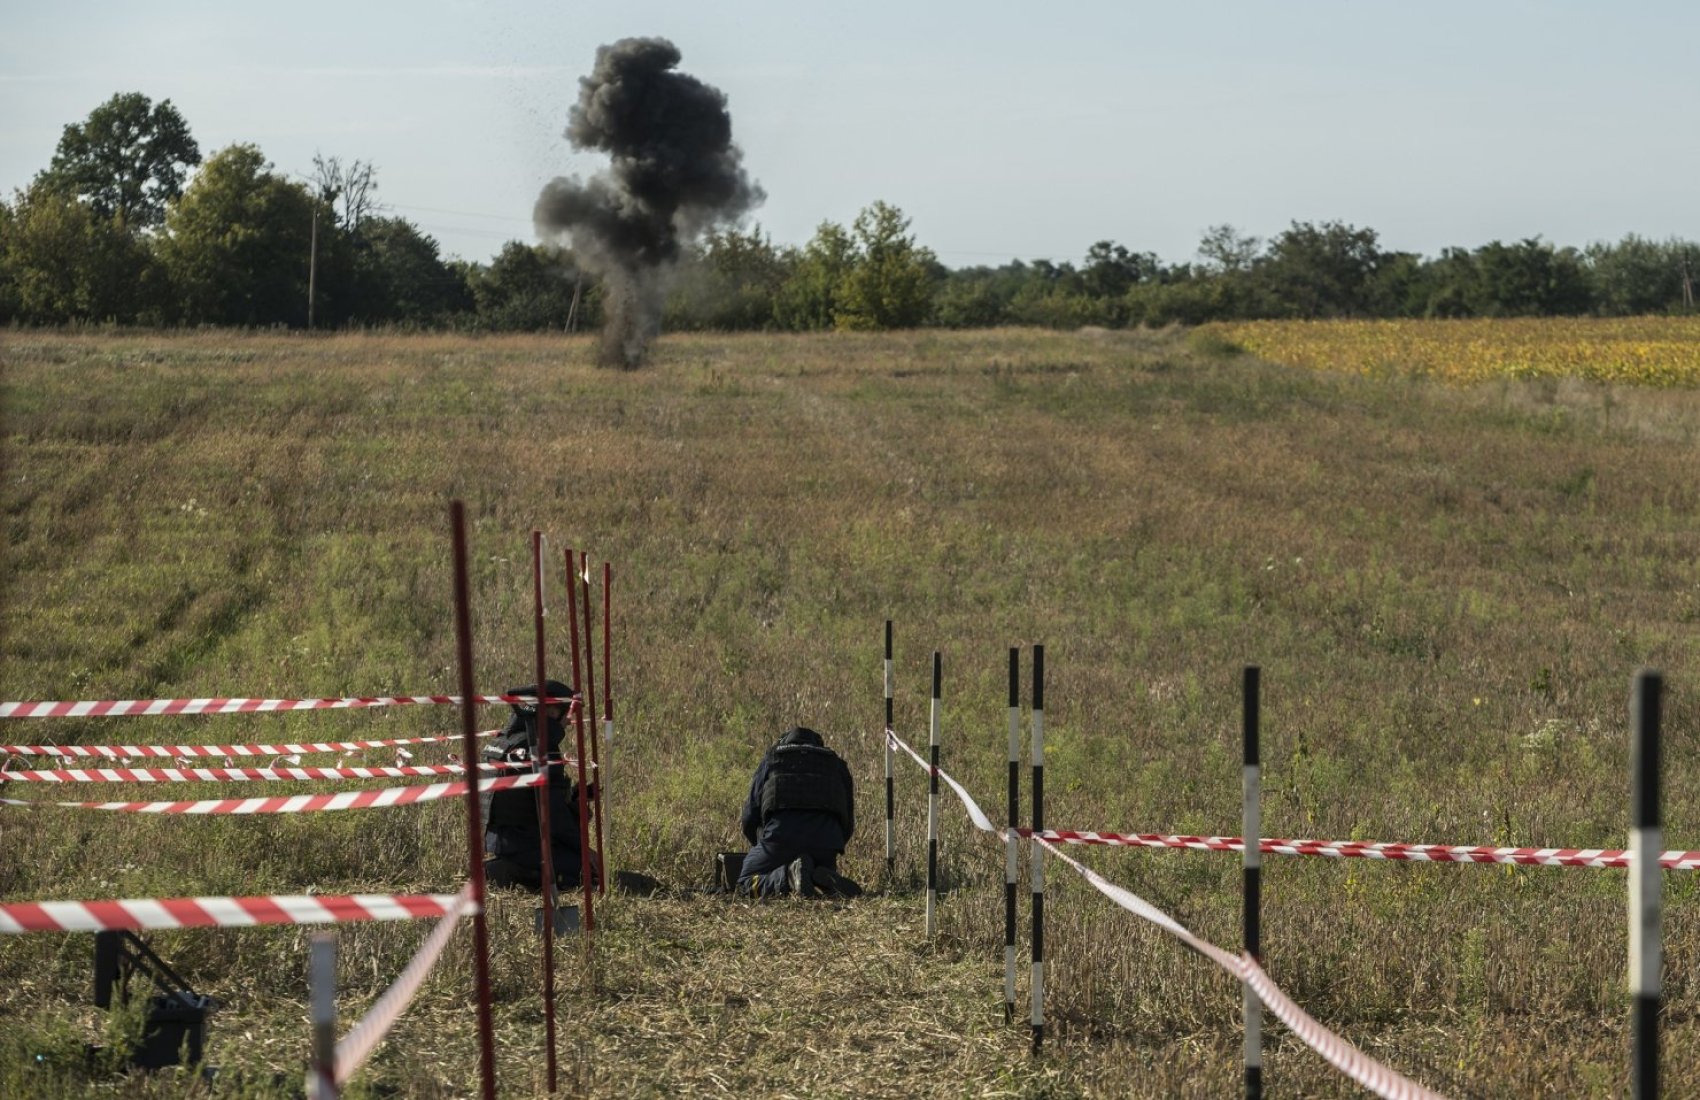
{"x": 510, "y": 817}
{"x": 802, "y": 829}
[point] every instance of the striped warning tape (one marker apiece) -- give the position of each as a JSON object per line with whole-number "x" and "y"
{"x": 112, "y": 708}
{"x": 1342, "y": 1055}
{"x": 237, "y": 775}
{"x": 153, "y": 913}
{"x": 975, "y": 814}
{"x": 363, "y": 1037}
{"x": 298, "y": 803}
{"x": 121, "y": 752}
{"x": 1339, "y": 1053}
{"x": 1674, "y": 860}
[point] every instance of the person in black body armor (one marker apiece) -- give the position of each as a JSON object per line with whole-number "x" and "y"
{"x": 800, "y": 815}
{"x": 510, "y": 817}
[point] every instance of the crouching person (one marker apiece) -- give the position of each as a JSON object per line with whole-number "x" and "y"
{"x": 512, "y": 838}
{"x": 800, "y": 815}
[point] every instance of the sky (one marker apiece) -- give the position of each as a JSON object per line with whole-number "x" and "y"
{"x": 1003, "y": 130}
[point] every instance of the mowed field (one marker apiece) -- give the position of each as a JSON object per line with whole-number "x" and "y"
{"x": 1448, "y": 587}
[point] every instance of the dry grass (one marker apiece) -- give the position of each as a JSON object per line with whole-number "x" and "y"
{"x": 1448, "y": 590}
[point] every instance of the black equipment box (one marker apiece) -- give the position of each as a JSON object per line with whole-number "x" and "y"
{"x": 726, "y": 865}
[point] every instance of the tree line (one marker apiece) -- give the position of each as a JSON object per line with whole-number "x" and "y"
{"x": 129, "y": 225}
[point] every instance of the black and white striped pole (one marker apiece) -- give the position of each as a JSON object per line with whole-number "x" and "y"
{"x": 1646, "y": 842}
{"x": 890, "y": 793}
{"x": 933, "y": 805}
{"x": 1252, "y": 891}
{"x": 1011, "y": 840}
{"x": 1038, "y": 853}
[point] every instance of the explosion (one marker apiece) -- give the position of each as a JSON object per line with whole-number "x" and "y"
{"x": 674, "y": 173}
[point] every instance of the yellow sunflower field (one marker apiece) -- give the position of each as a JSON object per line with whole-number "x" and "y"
{"x": 1654, "y": 351}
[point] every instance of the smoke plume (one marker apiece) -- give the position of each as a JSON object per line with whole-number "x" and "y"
{"x": 674, "y": 174}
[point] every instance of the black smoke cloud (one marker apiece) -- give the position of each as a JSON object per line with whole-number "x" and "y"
{"x": 674, "y": 173}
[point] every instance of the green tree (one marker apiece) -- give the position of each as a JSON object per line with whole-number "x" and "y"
{"x": 1450, "y": 284}
{"x": 1319, "y": 271}
{"x": 1401, "y": 286}
{"x": 8, "y": 288}
{"x": 237, "y": 243}
{"x": 1636, "y": 275}
{"x": 746, "y": 258}
{"x": 1226, "y": 250}
{"x": 979, "y": 297}
{"x": 1060, "y": 305}
{"x": 728, "y": 283}
{"x": 890, "y": 283}
{"x": 60, "y": 261}
{"x": 400, "y": 276}
{"x": 808, "y": 299}
{"x": 1110, "y": 269}
{"x": 127, "y": 160}
{"x": 1190, "y": 300}
{"x": 1529, "y": 278}
{"x": 528, "y": 288}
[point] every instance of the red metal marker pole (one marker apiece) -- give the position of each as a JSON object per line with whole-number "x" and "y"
{"x": 583, "y": 803}
{"x": 474, "y": 826}
{"x": 540, "y": 759}
{"x": 590, "y": 697}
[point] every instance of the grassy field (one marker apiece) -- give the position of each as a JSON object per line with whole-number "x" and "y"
{"x": 1448, "y": 588}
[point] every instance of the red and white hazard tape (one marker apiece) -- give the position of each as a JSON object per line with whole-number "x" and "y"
{"x": 1342, "y": 1055}
{"x": 237, "y": 775}
{"x": 112, "y": 708}
{"x": 1674, "y": 860}
{"x": 299, "y": 803}
{"x": 975, "y": 814}
{"x": 120, "y": 752}
{"x": 1339, "y": 1053}
{"x": 363, "y": 1037}
{"x": 151, "y": 913}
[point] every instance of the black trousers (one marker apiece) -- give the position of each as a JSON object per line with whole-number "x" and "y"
{"x": 763, "y": 872}
{"x": 785, "y": 836}
{"x": 516, "y": 860}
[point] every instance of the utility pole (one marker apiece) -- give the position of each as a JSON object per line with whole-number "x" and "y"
{"x": 1687, "y": 284}
{"x": 313, "y": 268}
{"x": 572, "y": 310}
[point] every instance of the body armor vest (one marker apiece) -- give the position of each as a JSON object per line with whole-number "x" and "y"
{"x": 805, "y": 777}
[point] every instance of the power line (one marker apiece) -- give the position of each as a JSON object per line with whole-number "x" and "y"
{"x": 458, "y": 213}
{"x": 468, "y": 231}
